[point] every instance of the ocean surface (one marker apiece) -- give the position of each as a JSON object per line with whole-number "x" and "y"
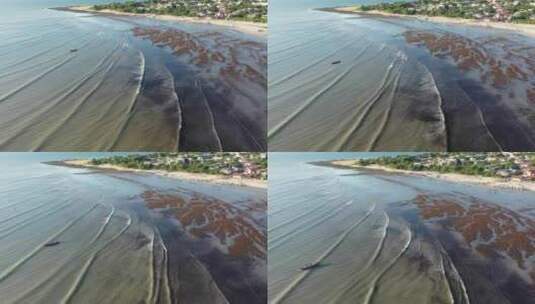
{"x": 71, "y": 235}
{"x": 343, "y": 82}
{"x": 79, "y": 82}
{"x": 383, "y": 238}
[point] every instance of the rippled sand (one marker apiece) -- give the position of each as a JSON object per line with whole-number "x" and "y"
{"x": 344, "y": 82}
{"x": 387, "y": 238}
{"x": 88, "y": 82}
{"x": 80, "y": 236}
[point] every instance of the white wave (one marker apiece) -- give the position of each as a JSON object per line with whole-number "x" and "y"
{"x": 210, "y": 116}
{"x": 178, "y": 110}
{"x": 129, "y": 112}
{"x": 386, "y": 115}
{"x": 141, "y": 77}
{"x": 373, "y": 287}
{"x": 381, "y": 244}
{"x": 81, "y": 275}
{"x": 448, "y": 287}
{"x": 440, "y": 109}
{"x": 285, "y": 292}
{"x": 459, "y": 279}
{"x": 151, "y": 292}
{"x": 75, "y": 109}
{"x": 367, "y": 104}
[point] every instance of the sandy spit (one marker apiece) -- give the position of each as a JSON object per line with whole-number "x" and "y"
{"x": 198, "y": 177}
{"x": 493, "y": 182}
{"x": 527, "y": 29}
{"x": 252, "y": 28}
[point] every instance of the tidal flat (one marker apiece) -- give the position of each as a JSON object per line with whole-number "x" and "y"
{"x": 384, "y": 237}
{"x": 341, "y": 81}
{"x": 74, "y": 235}
{"x": 79, "y": 81}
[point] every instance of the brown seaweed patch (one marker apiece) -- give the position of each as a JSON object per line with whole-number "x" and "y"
{"x": 491, "y": 229}
{"x": 531, "y": 95}
{"x": 439, "y": 208}
{"x": 469, "y": 55}
{"x": 217, "y": 56}
{"x": 513, "y": 71}
{"x": 204, "y": 217}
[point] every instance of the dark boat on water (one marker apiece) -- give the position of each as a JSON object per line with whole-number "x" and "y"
{"x": 336, "y": 62}
{"x": 51, "y": 244}
{"x": 310, "y": 266}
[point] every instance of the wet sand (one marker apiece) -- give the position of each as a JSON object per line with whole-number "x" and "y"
{"x": 401, "y": 84}
{"x": 108, "y": 82}
{"x": 68, "y": 232}
{"x": 422, "y": 240}
{"x": 499, "y": 236}
{"x": 230, "y": 239}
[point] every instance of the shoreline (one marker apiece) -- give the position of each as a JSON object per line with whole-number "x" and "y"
{"x": 195, "y": 177}
{"x": 491, "y": 182}
{"x": 527, "y": 29}
{"x": 251, "y": 28}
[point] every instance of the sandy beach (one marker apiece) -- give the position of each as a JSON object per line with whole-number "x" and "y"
{"x": 527, "y": 29}
{"x": 199, "y": 177}
{"x": 252, "y": 28}
{"x": 493, "y": 182}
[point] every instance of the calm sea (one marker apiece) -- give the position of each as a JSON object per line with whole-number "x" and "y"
{"x": 81, "y": 82}
{"x": 368, "y": 238}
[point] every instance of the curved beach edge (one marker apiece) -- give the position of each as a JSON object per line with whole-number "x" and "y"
{"x": 526, "y": 29}
{"x": 195, "y": 177}
{"x": 491, "y": 182}
{"x": 251, "y": 28}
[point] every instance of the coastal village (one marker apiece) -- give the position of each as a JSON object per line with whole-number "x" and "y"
{"x": 247, "y": 10}
{"x": 234, "y": 164}
{"x": 522, "y": 11}
{"x": 517, "y": 165}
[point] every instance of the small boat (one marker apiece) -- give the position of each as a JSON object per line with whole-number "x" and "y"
{"x": 52, "y": 244}
{"x": 310, "y": 266}
{"x": 336, "y": 62}
{"x": 74, "y": 50}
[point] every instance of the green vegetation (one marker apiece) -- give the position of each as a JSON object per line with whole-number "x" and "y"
{"x": 404, "y": 8}
{"x": 519, "y": 11}
{"x": 253, "y": 165}
{"x": 245, "y": 10}
{"x": 481, "y": 164}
